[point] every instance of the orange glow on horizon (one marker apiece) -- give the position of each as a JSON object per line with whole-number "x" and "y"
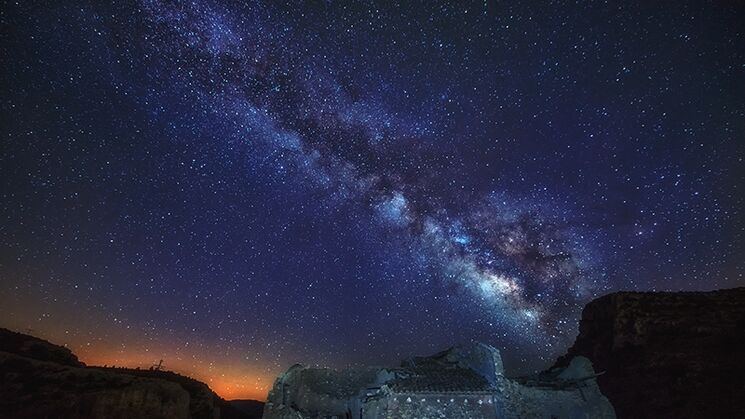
{"x": 230, "y": 374}
{"x": 225, "y": 379}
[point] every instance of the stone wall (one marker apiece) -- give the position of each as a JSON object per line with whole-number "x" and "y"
{"x": 542, "y": 403}
{"x": 441, "y": 406}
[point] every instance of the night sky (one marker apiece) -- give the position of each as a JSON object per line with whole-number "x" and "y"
{"x": 236, "y": 188}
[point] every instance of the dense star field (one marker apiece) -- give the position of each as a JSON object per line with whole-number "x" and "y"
{"x": 234, "y": 188}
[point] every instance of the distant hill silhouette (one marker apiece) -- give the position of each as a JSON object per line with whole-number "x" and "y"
{"x": 41, "y": 380}
{"x": 35, "y": 348}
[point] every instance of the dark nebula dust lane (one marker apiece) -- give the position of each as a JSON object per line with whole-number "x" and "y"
{"x": 238, "y": 187}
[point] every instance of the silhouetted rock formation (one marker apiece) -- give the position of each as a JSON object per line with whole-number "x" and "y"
{"x": 42, "y": 380}
{"x": 667, "y": 355}
{"x": 35, "y": 348}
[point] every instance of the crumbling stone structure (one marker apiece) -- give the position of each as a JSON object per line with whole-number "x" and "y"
{"x": 465, "y": 382}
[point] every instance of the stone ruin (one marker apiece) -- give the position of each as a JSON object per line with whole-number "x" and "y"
{"x": 465, "y": 382}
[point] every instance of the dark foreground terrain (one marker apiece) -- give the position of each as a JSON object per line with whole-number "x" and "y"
{"x": 42, "y": 380}
{"x": 667, "y": 355}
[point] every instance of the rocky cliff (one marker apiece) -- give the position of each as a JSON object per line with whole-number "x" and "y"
{"x": 667, "y": 355}
{"x": 32, "y": 347}
{"x": 42, "y": 380}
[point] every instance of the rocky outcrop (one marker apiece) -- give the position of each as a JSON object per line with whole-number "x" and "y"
{"x": 42, "y": 380}
{"x": 462, "y": 382}
{"x": 667, "y": 355}
{"x": 35, "y": 348}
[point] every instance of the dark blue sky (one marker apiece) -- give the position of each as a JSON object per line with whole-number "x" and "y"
{"x": 237, "y": 188}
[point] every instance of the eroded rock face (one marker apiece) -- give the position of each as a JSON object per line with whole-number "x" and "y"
{"x": 667, "y": 355}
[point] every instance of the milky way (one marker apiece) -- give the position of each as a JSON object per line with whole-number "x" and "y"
{"x": 234, "y": 188}
{"x": 519, "y": 262}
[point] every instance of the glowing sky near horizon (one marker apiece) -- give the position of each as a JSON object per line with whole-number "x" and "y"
{"x": 235, "y": 188}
